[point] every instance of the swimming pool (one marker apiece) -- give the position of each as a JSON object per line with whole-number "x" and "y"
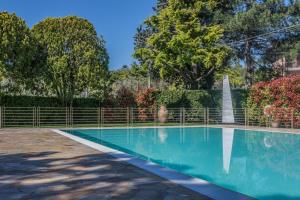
{"x": 259, "y": 164}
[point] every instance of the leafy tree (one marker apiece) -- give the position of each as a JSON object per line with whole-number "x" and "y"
{"x": 161, "y": 4}
{"x": 285, "y": 44}
{"x": 18, "y": 54}
{"x": 236, "y": 76}
{"x": 183, "y": 46}
{"x": 144, "y": 31}
{"x": 120, "y": 74}
{"x": 129, "y": 77}
{"x": 248, "y": 24}
{"x": 76, "y": 57}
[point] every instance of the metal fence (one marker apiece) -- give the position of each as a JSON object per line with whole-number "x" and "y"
{"x": 112, "y": 117}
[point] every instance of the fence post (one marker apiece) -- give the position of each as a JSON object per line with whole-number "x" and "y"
{"x": 132, "y": 116}
{"x": 207, "y": 116}
{"x": 245, "y": 116}
{"x": 128, "y": 116}
{"x": 39, "y": 116}
{"x": 156, "y": 115}
{"x": 98, "y": 116}
{"x": 3, "y": 117}
{"x": 183, "y": 116}
{"x": 180, "y": 116}
{"x": 102, "y": 117}
{"x": 66, "y": 108}
{"x": 204, "y": 116}
{"x": 292, "y": 118}
{"x": 33, "y": 116}
{"x": 71, "y": 116}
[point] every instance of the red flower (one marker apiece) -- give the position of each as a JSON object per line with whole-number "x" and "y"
{"x": 282, "y": 94}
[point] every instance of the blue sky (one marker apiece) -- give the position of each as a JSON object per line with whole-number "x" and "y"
{"x": 115, "y": 20}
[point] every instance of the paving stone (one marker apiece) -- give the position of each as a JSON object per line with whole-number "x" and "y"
{"x": 39, "y": 164}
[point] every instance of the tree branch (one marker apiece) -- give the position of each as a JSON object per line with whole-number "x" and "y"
{"x": 207, "y": 74}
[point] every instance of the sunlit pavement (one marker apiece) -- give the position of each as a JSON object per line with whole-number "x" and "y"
{"x": 40, "y": 164}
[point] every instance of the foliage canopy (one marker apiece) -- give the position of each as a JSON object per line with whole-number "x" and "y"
{"x": 183, "y": 46}
{"x": 76, "y": 57}
{"x": 18, "y": 54}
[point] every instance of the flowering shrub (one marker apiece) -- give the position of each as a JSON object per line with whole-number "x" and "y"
{"x": 278, "y": 114}
{"x": 276, "y": 100}
{"x": 146, "y": 99}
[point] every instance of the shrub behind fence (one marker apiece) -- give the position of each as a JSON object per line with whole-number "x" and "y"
{"x": 101, "y": 117}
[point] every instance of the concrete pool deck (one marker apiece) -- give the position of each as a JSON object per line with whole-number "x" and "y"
{"x": 40, "y": 164}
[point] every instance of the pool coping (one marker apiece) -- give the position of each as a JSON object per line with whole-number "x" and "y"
{"x": 196, "y": 184}
{"x": 248, "y": 128}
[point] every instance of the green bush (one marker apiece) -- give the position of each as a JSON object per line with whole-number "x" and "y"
{"x": 239, "y": 98}
{"x": 215, "y": 98}
{"x": 30, "y": 101}
{"x": 199, "y": 98}
{"x": 171, "y": 98}
{"x": 183, "y": 98}
{"x": 196, "y": 99}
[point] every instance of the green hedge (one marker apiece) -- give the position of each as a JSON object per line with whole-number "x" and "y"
{"x": 239, "y": 98}
{"x": 183, "y": 98}
{"x": 170, "y": 98}
{"x": 27, "y": 101}
{"x": 199, "y": 98}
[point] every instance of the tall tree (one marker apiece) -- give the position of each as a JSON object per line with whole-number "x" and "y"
{"x": 160, "y": 4}
{"x": 77, "y": 60}
{"x": 183, "y": 45}
{"x": 18, "y": 53}
{"x": 143, "y": 32}
{"x": 248, "y": 25}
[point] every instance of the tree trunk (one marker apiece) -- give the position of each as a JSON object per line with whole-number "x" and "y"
{"x": 194, "y": 76}
{"x": 71, "y": 91}
{"x": 150, "y": 71}
{"x": 72, "y": 88}
{"x": 249, "y": 67}
{"x": 194, "y": 85}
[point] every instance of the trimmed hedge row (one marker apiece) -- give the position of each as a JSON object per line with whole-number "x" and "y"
{"x": 28, "y": 101}
{"x": 169, "y": 98}
{"x": 200, "y": 98}
{"x": 183, "y": 98}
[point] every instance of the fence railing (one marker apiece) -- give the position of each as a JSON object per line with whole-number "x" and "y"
{"x": 105, "y": 117}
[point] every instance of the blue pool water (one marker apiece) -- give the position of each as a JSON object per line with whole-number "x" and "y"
{"x": 260, "y": 164}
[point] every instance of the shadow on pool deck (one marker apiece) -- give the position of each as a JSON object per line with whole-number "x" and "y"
{"x": 39, "y": 164}
{"x": 48, "y": 166}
